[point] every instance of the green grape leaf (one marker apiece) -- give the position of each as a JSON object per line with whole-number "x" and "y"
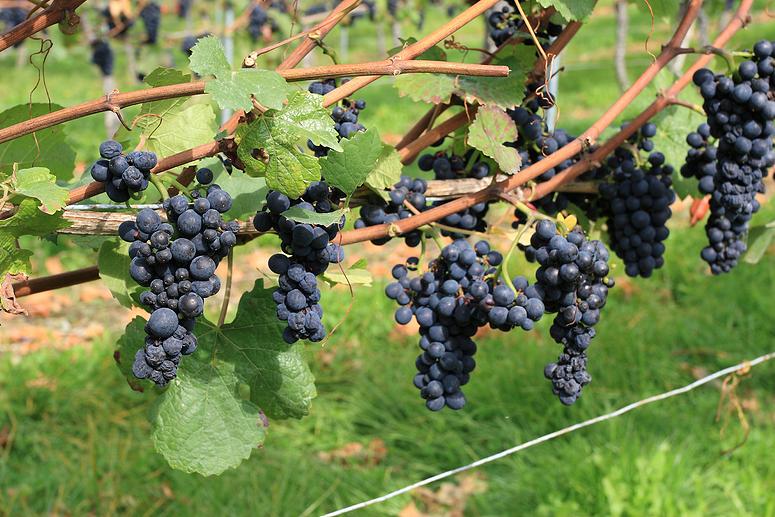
{"x": 203, "y": 422}
{"x": 200, "y": 423}
{"x": 247, "y": 193}
{"x": 12, "y": 259}
{"x": 300, "y": 215}
{"x": 271, "y": 145}
{"x": 208, "y": 57}
{"x": 759, "y": 240}
{"x": 674, "y": 124}
{"x": 233, "y": 89}
{"x": 505, "y": 92}
{"x": 570, "y": 10}
{"x": 113, "y": 262}
{"x": 348, "y": 169}
{"x": 490, "y": 129}
{"x": 45, "y": 148}
{"x": 40, "y": 184}
{"x": 387, "y": 170}
{"x": 433, "y": 88}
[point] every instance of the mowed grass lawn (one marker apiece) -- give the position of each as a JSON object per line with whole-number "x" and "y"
{"x": 75, "y": 440}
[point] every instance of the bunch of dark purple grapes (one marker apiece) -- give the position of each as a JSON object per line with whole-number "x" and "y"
{"x": 459, "y": 293}
{"x": 449, "y": 166}
{"x": 572, "y": 281}
{"x": 637, "y": 203}
{"x": 345, "y": 114}
{"x": 307, "y": 252}
{"x": 740, "y": 113}
{"x": 505, "y": 22}
{"x": 123, "y": 175}
{"x": 102, "y": 56}
{"x": 176, "y": 260}
{"x": 407, "y": 190}
{"x": 151, "y": 16}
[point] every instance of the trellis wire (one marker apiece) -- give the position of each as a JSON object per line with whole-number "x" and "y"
{"x": 555, "y": 434}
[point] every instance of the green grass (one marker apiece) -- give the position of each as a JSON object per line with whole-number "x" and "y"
{"x": 83, "y": 446}
{"x": 79, "y": 443}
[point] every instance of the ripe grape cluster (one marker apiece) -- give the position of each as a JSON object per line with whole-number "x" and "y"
{"x": 407, "y": 190}
{"x": 176, "y": 260}
{"x": 183, "y": 8}
{"x": 572, "y": 281}
{"x": 256, "y": 22}
{"x": 307, "y": 252}
{"x": 102, "y": 56}
{"x": 123, "y": 175}
{"x": 637, "y": 202}
{"x": 740, "y": 113}
{"x": 459, "y": 293}
{"x": 345, "y": 115}
{"x": 151, "y": 16}
{"x": 505, "y": 22}
{"x": 450, "y": 166}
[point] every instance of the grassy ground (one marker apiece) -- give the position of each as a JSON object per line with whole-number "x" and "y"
{"x": 74, "y": 438}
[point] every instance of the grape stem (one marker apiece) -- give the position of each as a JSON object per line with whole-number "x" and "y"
{"x": 156, "y": 181}
{"x": 227, "y": 290}
{"x": 503, "y": 269}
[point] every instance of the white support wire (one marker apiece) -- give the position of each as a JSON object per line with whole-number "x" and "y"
{"x": 561, "y": 432}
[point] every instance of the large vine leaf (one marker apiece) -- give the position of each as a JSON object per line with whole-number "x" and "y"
{"x": 348, "y": 169}
{"x": 272, "y": 145}
{"x": 44, "y": 148}
{"x": 247, "y": 192}
{"x": 499, "y": 91}
{"x": 673, "y": 124}
{"x": 233, "y": 89}
{"x": 387, "y": 170}
{"x": 571, "y": 10}
{"x": 40, "y": 184}
{"x": 113, "y": 262}
{"x": 202, "y": 423}
{"x": 490, "y": 129}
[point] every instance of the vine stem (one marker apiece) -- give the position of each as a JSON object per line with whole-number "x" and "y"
{"x": 412, "y": 51}
{"x": 503, "y": 270}
{"x": 227, "y": 290}
{"x": 115, "y": 101}
{"x": 160, "y": 186}
{"x": 50, "y": 16}
{"x": 573, "y": 148}
{"x": 737, "y": 22}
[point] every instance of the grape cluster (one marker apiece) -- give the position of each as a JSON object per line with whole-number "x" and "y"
{"x": 637, "y": 202}
{"x": 256, "y": 22}
{"x": 740, "y": 114}
{"x": 701, "y": 159}
{"x": 345, "y": 115}
{"x": 151, "y": 16}
{"x": 176, "y": 260}
{"x": 459, "y": 293}
{"x": 449, "y": 166}
{"x": 572, "y": 281}
{"x": 407, "y": 190}
{"x": 307, "y": 253}
{"x": 505, "y": 22}
{"x": 102, "y": 56}
{"x": 123, "y": 175}
{"x": 12, "y": 16}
